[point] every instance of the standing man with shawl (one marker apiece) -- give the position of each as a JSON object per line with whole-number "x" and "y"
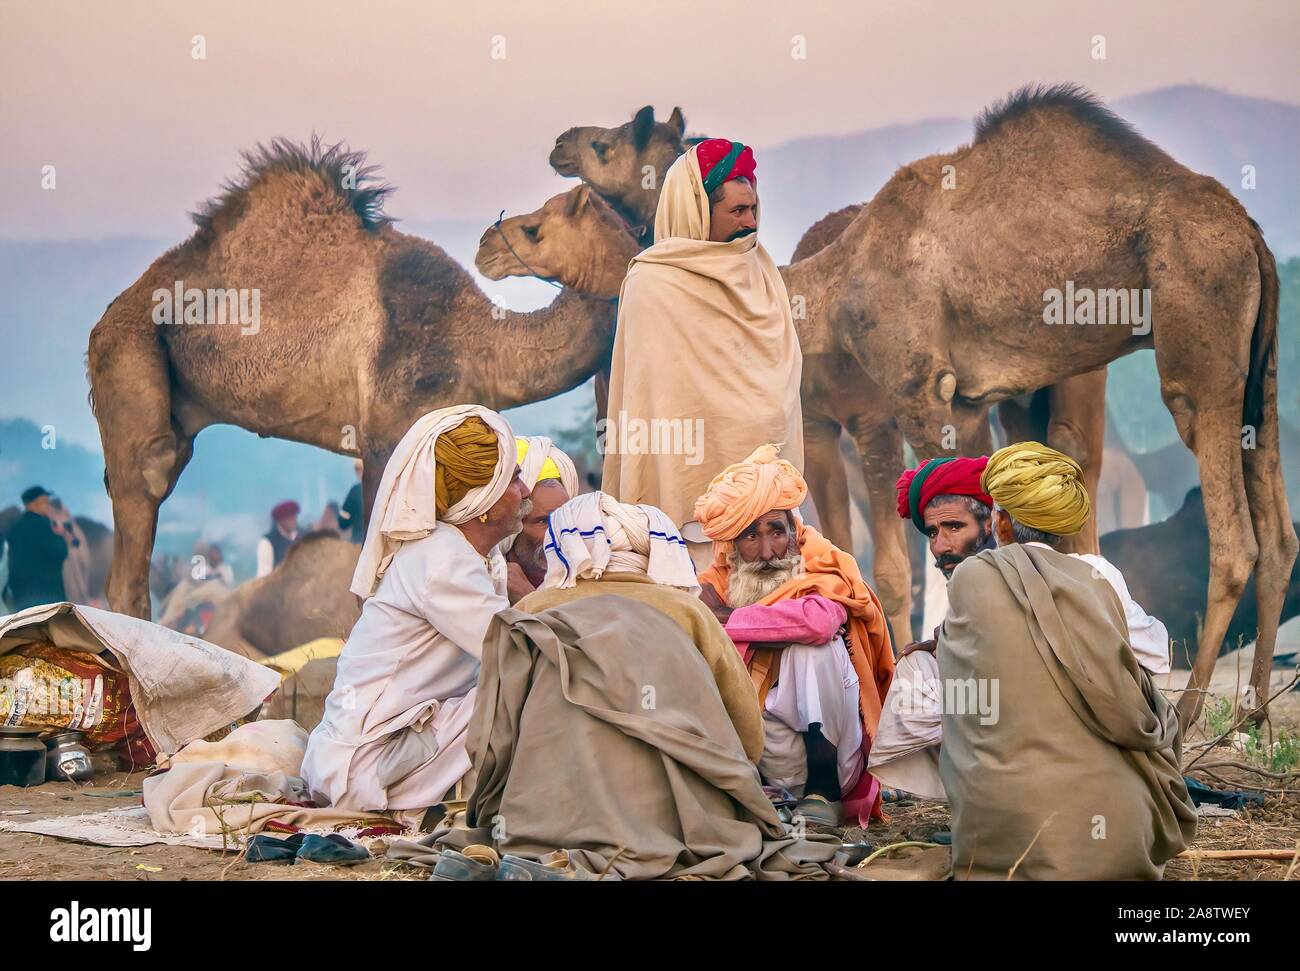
{"x": 393, "y": 734}
{"x": 551, "y": 480}
{"x": 706, "y": 359}
{"x": 811, "y": 631}
{"x": 1075, "y": 774}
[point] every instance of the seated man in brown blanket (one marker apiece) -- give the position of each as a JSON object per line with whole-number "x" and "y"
{"x": 596, "y": 545}
{"x": 1060, "y": 758}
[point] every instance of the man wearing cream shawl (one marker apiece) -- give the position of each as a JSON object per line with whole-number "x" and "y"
{"x": 706, "y": 360}
{"x": 1060, "y": 758}
{"x": 393, "y": 734}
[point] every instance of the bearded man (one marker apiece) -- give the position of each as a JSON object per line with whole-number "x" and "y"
{"x": 393, "y": 734}
{"x": 704, "y": 325}
{"x": 812, "y": 633}
{"x": 944, "y": 500}
{"x": 598, "y": 546}
{"x": 1074, "y": 771}
{"x": 552, "y": 480}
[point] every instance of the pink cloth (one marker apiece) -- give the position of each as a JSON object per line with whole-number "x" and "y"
{"x": 813, "y": 619}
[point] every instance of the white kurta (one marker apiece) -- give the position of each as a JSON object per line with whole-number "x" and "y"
{"x": 411, "y": 662}
{"x": 816, "y": 684}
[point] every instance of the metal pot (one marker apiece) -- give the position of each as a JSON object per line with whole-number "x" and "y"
{"x": 22, "y": 756}
{"x": 67, "y": 758}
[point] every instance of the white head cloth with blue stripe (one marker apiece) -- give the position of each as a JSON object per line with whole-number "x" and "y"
{"x": 594, "y": 534}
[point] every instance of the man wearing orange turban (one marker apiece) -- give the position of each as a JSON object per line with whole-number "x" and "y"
{"x": 812, "y": 633}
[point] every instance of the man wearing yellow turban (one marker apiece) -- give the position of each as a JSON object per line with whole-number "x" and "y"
{"x": 812, "y": 633}
{"x": 1060, "y": 758}
{"x": 552, "y": 481}
{"x": 393, "y": 736}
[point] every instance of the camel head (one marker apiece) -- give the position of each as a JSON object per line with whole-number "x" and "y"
{"x": 575, "y": 239}
{"x": 625, "y": 164}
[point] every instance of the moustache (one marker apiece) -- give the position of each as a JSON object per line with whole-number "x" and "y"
{"x": 740, "y": 234}
{"x": 948, "y": 560}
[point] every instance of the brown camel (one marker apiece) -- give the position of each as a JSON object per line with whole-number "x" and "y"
{"x": 626, "y": 164}
{"x": 348, "y": 331}
{"x": 303, "y": 598}
{"x": 940, "y": 290}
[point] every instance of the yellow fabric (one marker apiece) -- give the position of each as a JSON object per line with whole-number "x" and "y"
{"x": 292, "y": 661}
{"x": 467, "y": 457}
{"x": 549, "y": 469}
{"x": 742, "y": 492}
{"x": 705, "y": 345}
{"x": 1038, "y": 486}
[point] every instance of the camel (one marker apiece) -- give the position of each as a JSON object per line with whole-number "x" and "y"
{"x": 303, "y": 598}
{"x": 941, "y": 293}
{"x": 626, "y": 164}
{"x": 938, "y": 288}
{"x": 348, "y": 331}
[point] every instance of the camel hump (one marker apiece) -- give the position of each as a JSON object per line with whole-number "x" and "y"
{"x": 336, "y": 176}
{"x": 825, "y": 231}
{"x": 1070, "y": 100}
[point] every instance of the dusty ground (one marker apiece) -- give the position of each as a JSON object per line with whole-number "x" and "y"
{"x": 27, "y": 857}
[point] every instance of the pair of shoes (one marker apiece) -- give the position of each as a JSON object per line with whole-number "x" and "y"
{"x": 473, "y": 863}
{"x": 330, "y": 848}
{"x": 819, "y": 810}
{"x": 553, "y": 866}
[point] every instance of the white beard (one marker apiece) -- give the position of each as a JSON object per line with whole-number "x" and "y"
{"x": 751, "y": 582}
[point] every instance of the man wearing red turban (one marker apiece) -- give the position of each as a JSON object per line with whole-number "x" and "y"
{"x": 706, "y": 360}
{"x": 945, "y": 501}
{"x": 283, "y": 534}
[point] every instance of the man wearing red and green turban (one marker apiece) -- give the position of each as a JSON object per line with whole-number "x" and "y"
{"x": 706, "y": 363}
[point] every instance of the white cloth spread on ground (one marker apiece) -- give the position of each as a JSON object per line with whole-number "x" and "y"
{"x": 905, "y": 753}
{"x": 406, "y": 505}
{"x": 815, "y": 685}
{"x": 393, "y": 735}
{"x": 593, "y": 534}
{"x": 706, "y": 363}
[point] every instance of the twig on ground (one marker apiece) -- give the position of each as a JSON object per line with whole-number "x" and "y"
{"x": 896, "y": 846}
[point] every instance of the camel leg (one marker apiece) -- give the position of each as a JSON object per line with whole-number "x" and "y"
{"x": 880, "y": 447}
{"x": 824, "y": 471}
{"x": 144, "y": 450}
{"x": 1077, "y": 427}
{"x": 1274, "y": 534}
{"x": 375, "y": 457}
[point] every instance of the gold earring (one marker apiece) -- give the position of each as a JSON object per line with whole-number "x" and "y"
{"x": 483, "y": 518}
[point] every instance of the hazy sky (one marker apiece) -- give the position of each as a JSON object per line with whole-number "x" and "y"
{"x": 139, "y": 131}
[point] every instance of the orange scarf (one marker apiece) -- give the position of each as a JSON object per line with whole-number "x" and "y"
{"x": 833, "y": 574}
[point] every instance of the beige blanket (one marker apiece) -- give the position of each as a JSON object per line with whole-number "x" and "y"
{"x": 1077, "y": 767}
{"x": 651, "y": 783}
{"x": 706, "y": 362}
{"x": 689, "y": 613}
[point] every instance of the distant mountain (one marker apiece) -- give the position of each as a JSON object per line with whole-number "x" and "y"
{"x": 1210, "y": 131}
